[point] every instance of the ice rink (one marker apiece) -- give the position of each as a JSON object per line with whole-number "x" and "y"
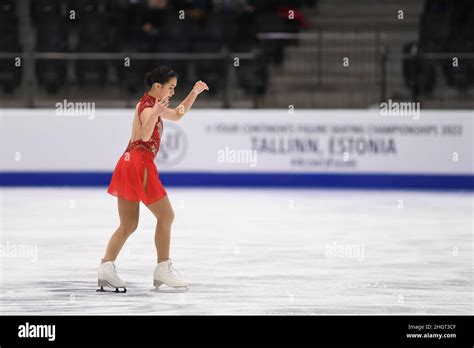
{"x": 243, "y": 251}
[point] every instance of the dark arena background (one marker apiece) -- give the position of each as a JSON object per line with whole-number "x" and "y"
{"x": 327, "y": 171}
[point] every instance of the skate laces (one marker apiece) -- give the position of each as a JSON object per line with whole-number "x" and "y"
{"x": 171, "y": 269}
{"x": 115, "y": 271}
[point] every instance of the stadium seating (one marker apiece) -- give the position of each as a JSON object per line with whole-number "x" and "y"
{"x": 446, "y": 26}
{"x": 10, "y": 74}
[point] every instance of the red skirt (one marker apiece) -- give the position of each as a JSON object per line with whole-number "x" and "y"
{"x": 129, "y": 175}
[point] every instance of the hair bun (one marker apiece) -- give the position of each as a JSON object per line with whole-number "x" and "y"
{"x": 149, "y": 79}
{"x": 161, "y": 74}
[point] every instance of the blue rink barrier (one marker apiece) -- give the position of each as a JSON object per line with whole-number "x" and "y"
{"x": 289, "y": 180}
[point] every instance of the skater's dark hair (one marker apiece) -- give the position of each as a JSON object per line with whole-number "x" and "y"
{"x": 161, "y": 74}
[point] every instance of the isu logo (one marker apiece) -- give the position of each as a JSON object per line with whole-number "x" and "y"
{"x": 173, "y": 145}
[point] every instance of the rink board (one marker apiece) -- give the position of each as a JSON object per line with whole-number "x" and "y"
{"x": 263, "y": 148}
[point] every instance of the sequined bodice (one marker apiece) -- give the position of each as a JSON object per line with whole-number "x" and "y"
{"x": 152, "y": 145}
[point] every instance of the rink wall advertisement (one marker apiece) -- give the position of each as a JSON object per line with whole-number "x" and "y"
{"x": 348, "y": 148}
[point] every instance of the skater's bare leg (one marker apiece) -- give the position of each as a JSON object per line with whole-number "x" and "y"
{"x": 165, "y": 215}
{"x": 128, "y": 213}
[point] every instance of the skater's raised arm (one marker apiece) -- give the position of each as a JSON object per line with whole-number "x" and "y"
{"x": 177, "y": 113}
{"x": 149, "y": 117}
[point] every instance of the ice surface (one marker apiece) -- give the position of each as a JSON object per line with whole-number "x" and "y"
{"x": 243, "y": 251}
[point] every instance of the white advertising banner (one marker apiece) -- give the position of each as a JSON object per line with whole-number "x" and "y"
{"x": 281, "y": 141}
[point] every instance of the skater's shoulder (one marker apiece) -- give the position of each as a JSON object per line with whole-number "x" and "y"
{"x": 145, "y": 103}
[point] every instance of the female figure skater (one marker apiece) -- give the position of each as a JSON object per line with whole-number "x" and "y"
{"x": 135, "y": 178}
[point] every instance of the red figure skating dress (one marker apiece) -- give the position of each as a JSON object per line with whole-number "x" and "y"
{"x": 136, "y": 166}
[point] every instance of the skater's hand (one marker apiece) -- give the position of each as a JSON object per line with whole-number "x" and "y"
{"x": 199, "y": 87}
{"x": 161, "y": 106}
{"x": 177, "y": 113}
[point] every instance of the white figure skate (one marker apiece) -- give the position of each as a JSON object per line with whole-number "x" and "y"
{"x": 164, "y": 274}
{"x": 108, "y": 277}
